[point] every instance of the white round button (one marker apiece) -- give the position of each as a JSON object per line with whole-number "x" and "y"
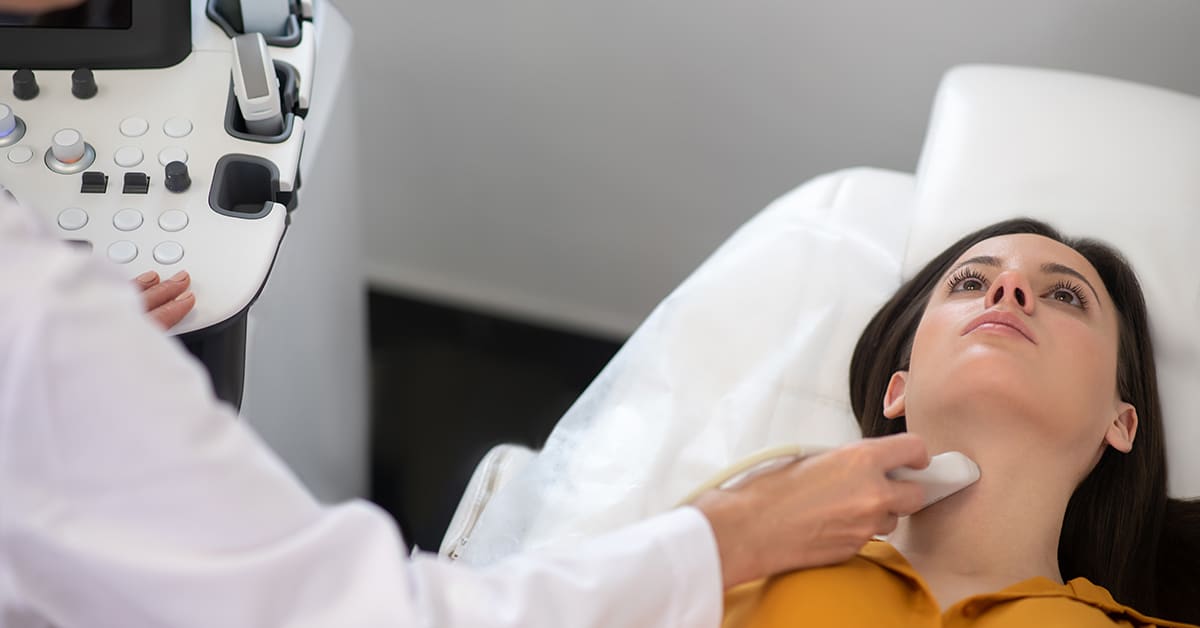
{"x": 168, "y": 252}
{"x": 122, "y": 251}
{"x": 134, "y": 127}
{"x": 72, "y": 218}
{"x": 68, "y": 146}
{"x": 8, "y": 121}
{"x": 173, "y": 220}
{"x": 127, "y": 219}
{"x": 128, "y": 156}
{"x": 172, "y": 153}
{"x": 20, "y": 154}
{"x": 177, "y": 127}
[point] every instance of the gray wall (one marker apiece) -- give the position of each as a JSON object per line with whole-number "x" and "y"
{"x": 572, "y": 162}
{"x": 306, "y": 358}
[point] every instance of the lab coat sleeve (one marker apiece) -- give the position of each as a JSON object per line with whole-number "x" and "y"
{"x": 130, "y": 496}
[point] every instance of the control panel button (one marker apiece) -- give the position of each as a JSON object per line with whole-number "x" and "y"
{"x": 68, "y": 146}
{"x": 83, "y": 83}
{"x": 172, "y": 153}
{"x": 20, "y": 154}
{"x": 72, "y": 218}
{"x": 25, "y": 85}
{"x": 122, "y": 251}
{"x": 178, "y": 179}
{"x": 177, "y": 127}
{"x": 83, "y": 245}
{"x": 173, "y": 220}
{"x": 134, "y": 127}
{"x": 136, "y": 183}
{"x": 12, "y": 127}
{"x": 94, "y": 183}
{"x": 8, "y": 120}
{"x": 168, "y": 252}
{"x": 128, "y": 156}
{"x": 69, "y": 154}
{"x": 127, "y": 219}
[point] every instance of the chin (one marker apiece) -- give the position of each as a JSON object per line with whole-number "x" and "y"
{"x": 994, "y": 367}
{"x": 980, "y": 405}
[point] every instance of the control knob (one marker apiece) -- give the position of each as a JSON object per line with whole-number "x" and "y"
{"x": 177, "y": 179}
{"x": 25, "y": 84}
{"x": 12, "y": 129}
{"x": 68, "y": 146}
{"x": 8, "y": 120}
{"x": 83, "y": 83}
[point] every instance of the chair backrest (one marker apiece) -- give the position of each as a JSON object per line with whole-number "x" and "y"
{"x": 1095, "y": 157}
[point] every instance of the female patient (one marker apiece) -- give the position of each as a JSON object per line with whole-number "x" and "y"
{"x": 1031, "y": 354}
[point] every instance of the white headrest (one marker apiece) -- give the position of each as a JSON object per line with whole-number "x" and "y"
{"x": 1094, "y": 157}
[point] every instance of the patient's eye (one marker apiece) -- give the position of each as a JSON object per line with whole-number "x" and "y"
{"x": 967, "y": 280}
{"x": 1069, "y": 293}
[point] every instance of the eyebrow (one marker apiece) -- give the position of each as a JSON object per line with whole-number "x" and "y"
{"x": 1053, "y": 268}
{"x": 1059, "y": 269}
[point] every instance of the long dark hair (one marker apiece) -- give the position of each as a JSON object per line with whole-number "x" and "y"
{"x": 1120, "y": 529}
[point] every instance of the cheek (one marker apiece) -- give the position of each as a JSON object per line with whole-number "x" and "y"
{"x": 1088, "y": 360}
{"x": 935, "y": 336}
{"x": 932, "y": 353}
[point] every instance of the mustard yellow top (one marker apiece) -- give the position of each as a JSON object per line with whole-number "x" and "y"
{"x": 880, "y": 588}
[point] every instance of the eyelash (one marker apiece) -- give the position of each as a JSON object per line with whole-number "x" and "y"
{"x": 962, "y": 275}
{"x": 1063, "y": 284}
{"x": 970, "y": 273}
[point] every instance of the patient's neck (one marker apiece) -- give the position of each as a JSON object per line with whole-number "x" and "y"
{"x": 1001, "y": 530}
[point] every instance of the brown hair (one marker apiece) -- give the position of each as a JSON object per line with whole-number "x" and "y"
{"x": 1120, "y": 529}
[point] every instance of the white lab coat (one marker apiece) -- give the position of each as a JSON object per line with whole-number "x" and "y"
{"x": 130, "y": 496}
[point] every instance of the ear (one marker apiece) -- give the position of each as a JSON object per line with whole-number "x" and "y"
{"x": 1123, "y": 429}
{"x": 893, "y": 399}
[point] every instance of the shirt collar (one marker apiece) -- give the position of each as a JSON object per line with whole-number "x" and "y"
{"x": 885, "y": 555}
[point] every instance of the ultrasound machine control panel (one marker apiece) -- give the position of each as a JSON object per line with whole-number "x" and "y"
{"x": 164, "y": 135}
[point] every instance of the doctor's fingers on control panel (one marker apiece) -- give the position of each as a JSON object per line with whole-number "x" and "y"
{"x": 37, "y": 6}
{"x": 168, "y": 301}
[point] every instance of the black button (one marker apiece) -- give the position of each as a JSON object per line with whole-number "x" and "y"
{"x": 25, "y": 84}
{"x": 177, "y": 179}
{"x": 94, "y": 183}
{"x": 83, "y": 83}
{"x": 136, "y": 183}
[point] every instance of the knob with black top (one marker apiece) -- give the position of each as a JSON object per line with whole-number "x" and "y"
{"x": 25, "y": 85}
{"x": 177, "y": 179}
{"x": 83, "y": 83}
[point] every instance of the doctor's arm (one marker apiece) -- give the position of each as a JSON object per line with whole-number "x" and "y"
{"x": 132, "y": 497}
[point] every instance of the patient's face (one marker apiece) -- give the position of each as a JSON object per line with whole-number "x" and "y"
{"x": 1039, "y": 369}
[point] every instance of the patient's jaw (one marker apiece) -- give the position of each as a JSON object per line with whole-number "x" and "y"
{"x": 1037, "y": 378}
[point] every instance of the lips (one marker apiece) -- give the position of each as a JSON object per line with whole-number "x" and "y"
{"x": 1002, "y": 318}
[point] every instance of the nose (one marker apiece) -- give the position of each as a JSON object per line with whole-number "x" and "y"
{"x": 1011, "y": 286}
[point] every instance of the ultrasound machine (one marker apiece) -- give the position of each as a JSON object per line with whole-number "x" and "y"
{"x": 175, "y": 134}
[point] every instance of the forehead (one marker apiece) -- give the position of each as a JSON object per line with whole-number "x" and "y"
{"x": 1024, "y": 249}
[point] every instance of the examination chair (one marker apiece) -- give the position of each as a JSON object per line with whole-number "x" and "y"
{"x": 753, "y": 349}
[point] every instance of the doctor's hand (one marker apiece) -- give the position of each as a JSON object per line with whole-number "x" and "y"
{"x": 817, "y": 511}
{"x": 37, "y": 6}
{"x": 166, "y": 301}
